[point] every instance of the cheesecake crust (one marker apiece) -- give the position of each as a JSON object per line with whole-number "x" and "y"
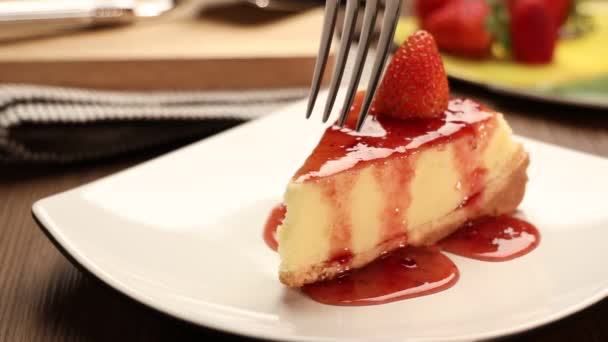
{"x": 502, "y": 195}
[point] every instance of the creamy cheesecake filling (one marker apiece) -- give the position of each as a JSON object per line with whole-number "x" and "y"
{"x": 425, "y": 173}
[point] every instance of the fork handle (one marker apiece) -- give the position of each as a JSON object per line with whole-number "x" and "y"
{"x": 30, "y": 18}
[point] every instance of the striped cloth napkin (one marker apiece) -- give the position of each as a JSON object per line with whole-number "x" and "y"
{"x": 63, "y": 125}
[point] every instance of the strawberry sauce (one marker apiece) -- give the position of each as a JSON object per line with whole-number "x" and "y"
{"x": 396, "y": 184}
{"x": 493, "y": 239}
{"x": 405, "y": 273}
{"x": 413, "y": 272}
{"x": 343, "y": 149}
{"x": 272, "y": 223}
{"x": 341, "y": 234}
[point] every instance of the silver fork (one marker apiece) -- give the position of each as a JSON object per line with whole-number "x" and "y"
{"x": 389, "y": 24}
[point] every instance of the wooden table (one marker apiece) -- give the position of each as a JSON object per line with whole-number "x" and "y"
{"x": 44, "y": 298}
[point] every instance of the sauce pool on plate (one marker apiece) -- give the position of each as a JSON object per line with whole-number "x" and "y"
{"x": 413, "y": 272}
{"x": 273, "y": 222}
{"x": 499, "y": 238}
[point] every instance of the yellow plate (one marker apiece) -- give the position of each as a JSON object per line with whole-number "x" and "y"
{"x": 577, "y": 74}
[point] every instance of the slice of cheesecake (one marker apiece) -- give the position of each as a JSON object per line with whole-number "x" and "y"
{"x": 396, "y": 183}
{"x": 422, "y": 166}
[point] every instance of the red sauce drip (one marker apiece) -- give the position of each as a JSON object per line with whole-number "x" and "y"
{"x": 468, "y": 153}
{"x": 273, "y": 222}
{"x": 405, "y": 273}
{"x": 493, "y": 239}
{"x": 473, "y": 201}
{"x": 341, "y": 257}
{"x": 340, "y": 239}
{"x": 395, "y": 182}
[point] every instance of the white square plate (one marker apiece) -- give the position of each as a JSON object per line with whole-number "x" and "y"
{"x": 183, "y": 234}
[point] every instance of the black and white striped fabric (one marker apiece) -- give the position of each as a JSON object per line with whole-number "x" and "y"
{"x": 62, "y": 125}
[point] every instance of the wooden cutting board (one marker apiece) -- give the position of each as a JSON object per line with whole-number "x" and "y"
{"x": 229, "y": 47}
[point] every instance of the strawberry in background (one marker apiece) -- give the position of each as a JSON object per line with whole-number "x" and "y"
{"x": 459, "y": 27}
{"x": 560, "y": 9}
{"x": 534, "y": 31}
{"x": 424, "y": 8}
{"x": 528, "y": 29}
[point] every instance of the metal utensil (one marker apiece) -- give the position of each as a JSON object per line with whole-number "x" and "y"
{"x": 30, "y": 18}
{"x": 389, "y": 24}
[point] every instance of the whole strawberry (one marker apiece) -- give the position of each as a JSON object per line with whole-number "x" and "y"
{"x": 534, "y": 31}
{"x": 415, "y": 83}
{"x": 460, "y": 28}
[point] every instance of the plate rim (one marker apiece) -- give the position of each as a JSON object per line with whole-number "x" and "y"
{"x": 79, "y": 259}
{"x": 531, "y": 94}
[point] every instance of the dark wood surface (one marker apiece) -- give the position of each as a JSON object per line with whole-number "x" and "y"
{"x": 45, "y": 298}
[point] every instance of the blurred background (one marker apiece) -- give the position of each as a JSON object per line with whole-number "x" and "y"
{"x": 63, "y": 61}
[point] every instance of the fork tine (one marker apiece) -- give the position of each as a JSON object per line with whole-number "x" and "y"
{"x": 389, "y": 24}
{"x": 329, "y": 22}
{"x": 369, "y": 18}
{"x": 352, "y": 8}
